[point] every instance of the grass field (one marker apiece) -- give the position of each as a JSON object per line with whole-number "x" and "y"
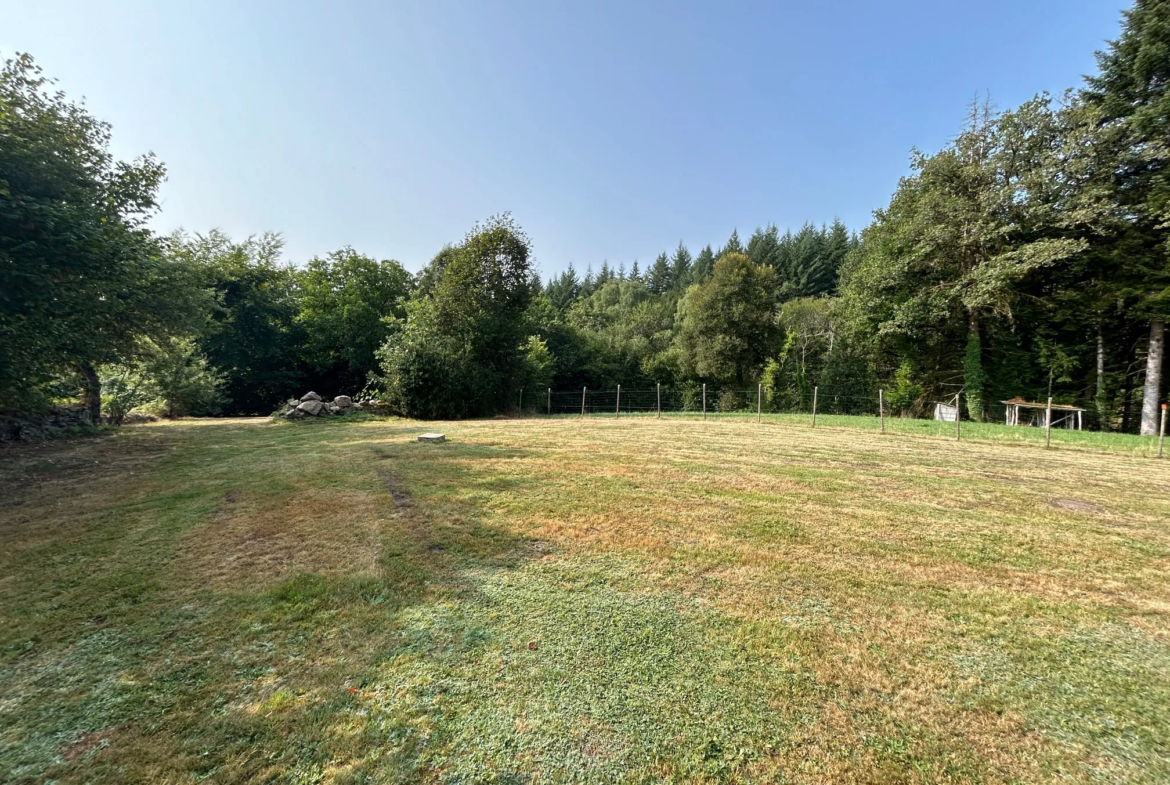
{"x": 606, "y": 600}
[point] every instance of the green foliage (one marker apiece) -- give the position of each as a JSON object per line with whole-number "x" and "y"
{"x": 459, "y": 351}
{"x": 973, "y": 375}
{"x": 906, "y": 394}
{"x": 680, "y": 267}
{"x": 345, "y": 305}
{"x": 630, "y": 332}
{"x": 702, "y": 265}
{"x": 537, "y": 371}
{"x": 251, "y": 336}
{"x": 180, "y": 381}
{"x": 562, "y": 290}
{"x": 659, "y": 278}
{"x": 1056, "y": 361}
{"x": 169, "y": 379}
{"x": 807, "y": 262}
{"x": 727, "y": 325}
{"x": 82, "y": 279}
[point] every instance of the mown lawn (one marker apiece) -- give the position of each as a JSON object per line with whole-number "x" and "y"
{"x": 599, "y": 600}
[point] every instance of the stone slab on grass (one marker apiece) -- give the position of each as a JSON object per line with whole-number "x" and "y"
{"x": 432, "y": 438}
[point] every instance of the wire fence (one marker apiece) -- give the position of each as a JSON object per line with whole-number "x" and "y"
{"x": 947, "y": 416}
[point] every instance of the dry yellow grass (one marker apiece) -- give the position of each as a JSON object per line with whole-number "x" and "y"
{"x": 567, "y": 600}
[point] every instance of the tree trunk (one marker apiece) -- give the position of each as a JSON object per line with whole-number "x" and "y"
{"x": 93, "y": 393}
{"x": 1152, "y": 396}
{"x": 1101, "y": 402}
{"x": 973, "y": 368}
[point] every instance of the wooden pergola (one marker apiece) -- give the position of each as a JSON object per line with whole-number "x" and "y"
{"x": 1036, "y": 414}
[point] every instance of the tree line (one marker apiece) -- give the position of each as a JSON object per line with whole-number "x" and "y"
{"x": 1026, "y": 258}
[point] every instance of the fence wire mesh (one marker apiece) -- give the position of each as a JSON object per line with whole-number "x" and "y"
{"x": 742, "y": 402}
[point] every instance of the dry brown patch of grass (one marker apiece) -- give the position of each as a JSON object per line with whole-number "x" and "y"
{"x": 252, "y": 544}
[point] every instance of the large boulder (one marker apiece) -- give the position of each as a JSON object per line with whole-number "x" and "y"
{"x": 310, "y": 396}
{"x": 343, "y": 402}
{"x": 311, "y": 406}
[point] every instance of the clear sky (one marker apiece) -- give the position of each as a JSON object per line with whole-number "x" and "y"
{"x": 610, "y": 130}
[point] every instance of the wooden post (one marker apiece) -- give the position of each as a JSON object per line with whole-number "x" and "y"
{"x": 1162, "y": 431}
{"x": 759, "y": 402}
{"x": 814, "y": 407}
{"x": 660, "y": 400}
{"x": 618, "y": 410}
{"x": 704, "y": 400}
{"x": 1048, "y": 424}
{"x": 882, "y": 409}
{"x": 521, "y": 407}
{"x": 550, "y": 401}
{"x": 583, "y": 389}
{"x": 958, "y": 418}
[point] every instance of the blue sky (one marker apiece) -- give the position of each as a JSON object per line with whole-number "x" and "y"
{"x": 609, "y": 130}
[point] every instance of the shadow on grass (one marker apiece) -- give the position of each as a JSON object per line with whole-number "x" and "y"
{"x": 113, "y": 670}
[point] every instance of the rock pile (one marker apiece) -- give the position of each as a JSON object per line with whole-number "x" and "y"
{"x": 311, "y": 405}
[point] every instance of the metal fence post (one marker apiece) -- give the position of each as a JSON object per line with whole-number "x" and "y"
{"x": 583, "y": 389}
{"x": 520, "y": 408}
{"x": 814, "y": 424}
{"x": 660, "y": 400}
{"x": 882, "y": 409}
{"x": 550, "y": 401}
{"x": 1048, "y": 424}
{"x": 618, "y": 411}
{"x": 759, "y": 402}
{"x": 704, "y": 400}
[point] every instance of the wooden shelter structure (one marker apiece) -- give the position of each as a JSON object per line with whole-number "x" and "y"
{"x": 1021, "y": 412}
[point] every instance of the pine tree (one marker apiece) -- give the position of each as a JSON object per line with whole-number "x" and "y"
{"x": 680, "y": 267}
{"x": 733, "y": 245}
{"x": 635, "y": 273}
{"x": 588, "y": 283}
{"x": 658, "y": 277}
{"x": 605, "y": 276}
{"x": 702, "y": 266}
{"x": 563, "y": 289}
{"x": 764, "y": 247}
{"x": 1131, "y": 92}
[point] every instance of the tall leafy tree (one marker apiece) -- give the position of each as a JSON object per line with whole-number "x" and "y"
{"x": 961, "y": 233}
{"x": 344, "y": 304}
{"x": 82, "y": 279}
{"x": 461, "y": 350}
{"x": 727, "y": 324}
{"x": 251, "y": 336}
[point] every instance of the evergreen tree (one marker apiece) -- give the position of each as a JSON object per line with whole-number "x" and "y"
{"x": 680, "y": 267}
{"x": 635, "y": 273}
{"x": 588, "y": 283}
{"x": 764, "y": 247}
{"x": 703, "y": 264}
{"x": 1131, "y": 92}
{"x": 733, "y": 245}
{"x": 563, "y": 289}
{"x": 605, "y": 276}
{"x": 658, "y": 277}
